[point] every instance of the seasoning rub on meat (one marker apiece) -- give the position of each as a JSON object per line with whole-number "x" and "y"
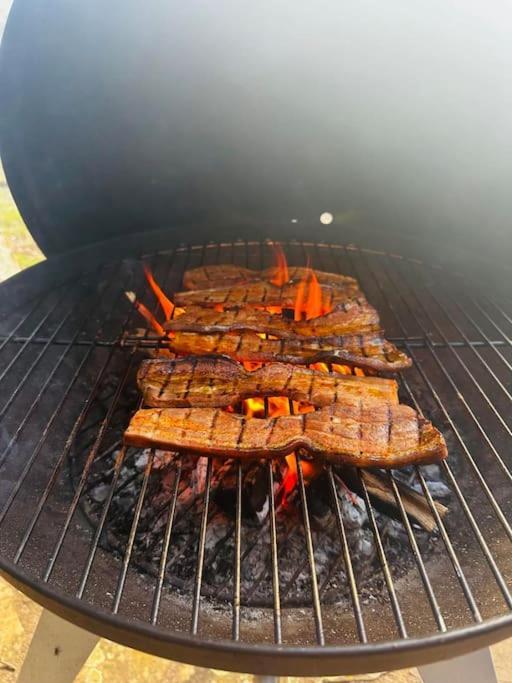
{"x": 205, "y": 277}
{"x": 369, "y": 351}
{"x": 263, "y": 294}
{"x": 216, "y": 381}
{"x": 355, "y": 431}
{"x": 352, "y": 316}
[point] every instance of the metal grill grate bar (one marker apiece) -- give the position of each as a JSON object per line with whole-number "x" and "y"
{"x": 407, "y": 306}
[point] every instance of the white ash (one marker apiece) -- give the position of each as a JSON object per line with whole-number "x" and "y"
{"x": 256, "y": 574}
{"x": 263, "y": 513}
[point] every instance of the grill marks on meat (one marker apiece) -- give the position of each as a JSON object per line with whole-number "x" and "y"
{"x": 354, "y": 316}
{"x": 206, "y": 277}
{"x": 219, "y": 382}
{"x": 369, "y": 351}
{"x": 261, "y": 293}
{"x": 355, "y": 431}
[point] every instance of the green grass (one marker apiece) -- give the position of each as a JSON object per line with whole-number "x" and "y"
{"x": 17, "y": 248}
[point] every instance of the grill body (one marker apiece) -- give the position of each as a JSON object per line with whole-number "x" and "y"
{"x": 63, "y": 346}
{"x": 121, "y": 138}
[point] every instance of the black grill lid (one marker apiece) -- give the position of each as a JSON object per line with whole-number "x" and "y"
{"x": 137, "y": 117}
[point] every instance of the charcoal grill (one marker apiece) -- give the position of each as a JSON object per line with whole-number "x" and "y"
{"x": 70, "y": 336}
{"x": 68, "y": 349}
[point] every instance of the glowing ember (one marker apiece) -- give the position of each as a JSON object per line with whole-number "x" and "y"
{"x": 165, "y": 303}
{"x": 282, "y": 276}
{"x": 254, "y": 407}
{"x": 252, "y": 365}
{"x": 342, "y": 369}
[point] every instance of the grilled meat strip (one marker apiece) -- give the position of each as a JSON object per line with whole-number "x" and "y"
{"x": 352, "y": 317}
{"x": 262, "y": 294}
{"x": 356, "y": 431}
{"x": 368, "y": 351}
{"x": 214, "y": 276}
{"x": 217, "y": 382}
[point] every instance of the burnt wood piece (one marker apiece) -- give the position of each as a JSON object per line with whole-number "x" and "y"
{"x": 205, "y": 277}
{"x": 379, "y": 489}
{"x": 351, "y": 317}
{"x": 361, "y": 432}
{"x": 370, "y": 351}
{"x": 217, "y": 382}
{"x": 263, "y": 294}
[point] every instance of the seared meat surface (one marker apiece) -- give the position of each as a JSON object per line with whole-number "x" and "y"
{"x": 205, "y": 277}
{"x": 355, "y": 431}
{"x": 216, "y": 381}
{"x": 261, "y": 293}
{"x": 353, "y": 316}
{"x": 370, "y": 351}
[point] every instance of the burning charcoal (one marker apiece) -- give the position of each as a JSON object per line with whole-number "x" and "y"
{"x": 380, "y": 491}
{"x": 99, "y": 493}
{"x": 438, "y": 489}
{"x": 362, "y": 546}
{"x": 142, "y": 459}
{"x": 255, "y": 486}
{"x": 431, "y": 472}
{"x": 254, "y": 490}
{"x": 262, "y": 514}
{"x": 352, "y": 509}
{"x": 394, "y": 530}
{"x": 163, "y": 459}
{"x": 318, "y": 497}
{"x": 199, "y": 475}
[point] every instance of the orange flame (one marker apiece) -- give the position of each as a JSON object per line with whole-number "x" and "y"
{"x": 314, "y": 305}
{"x": 309, "y": 301}
{"x": 146, "y": 313}
{"x": 282, "y": 276}
{"x": 310, "y": 470}
{"x": 278, "y": 406}
{"x": 165, "y": 303}
{"x": 299, "y": 300}
{"x": 254, "y": 407}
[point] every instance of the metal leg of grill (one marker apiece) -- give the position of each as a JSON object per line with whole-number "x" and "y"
{"x": 57, "y": 652}
{"x": 475, "y": 667}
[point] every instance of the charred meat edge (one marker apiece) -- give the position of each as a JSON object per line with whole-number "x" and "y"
{"x": 261, "y": 294}
{"x": 214, "y": 432}
{"x": 369, "y": 351}
{"x": 218, "y": 381}
{"x": 352, "y": 316}
{"x": 205, "y": 277}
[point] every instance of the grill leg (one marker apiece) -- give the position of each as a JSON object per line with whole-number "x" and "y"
{"x": 476, "y": 667}
{"x": 57, "y": 652}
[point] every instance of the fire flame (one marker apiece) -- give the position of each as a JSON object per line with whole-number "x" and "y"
{"x": 309, "y": 300}
{"x": 145, "y": 313}
{"x": 282, "y": 276}
{"x": 309, "y": 304}
{"x": 276, "y": 407}
{"x": 165, "y": 303}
